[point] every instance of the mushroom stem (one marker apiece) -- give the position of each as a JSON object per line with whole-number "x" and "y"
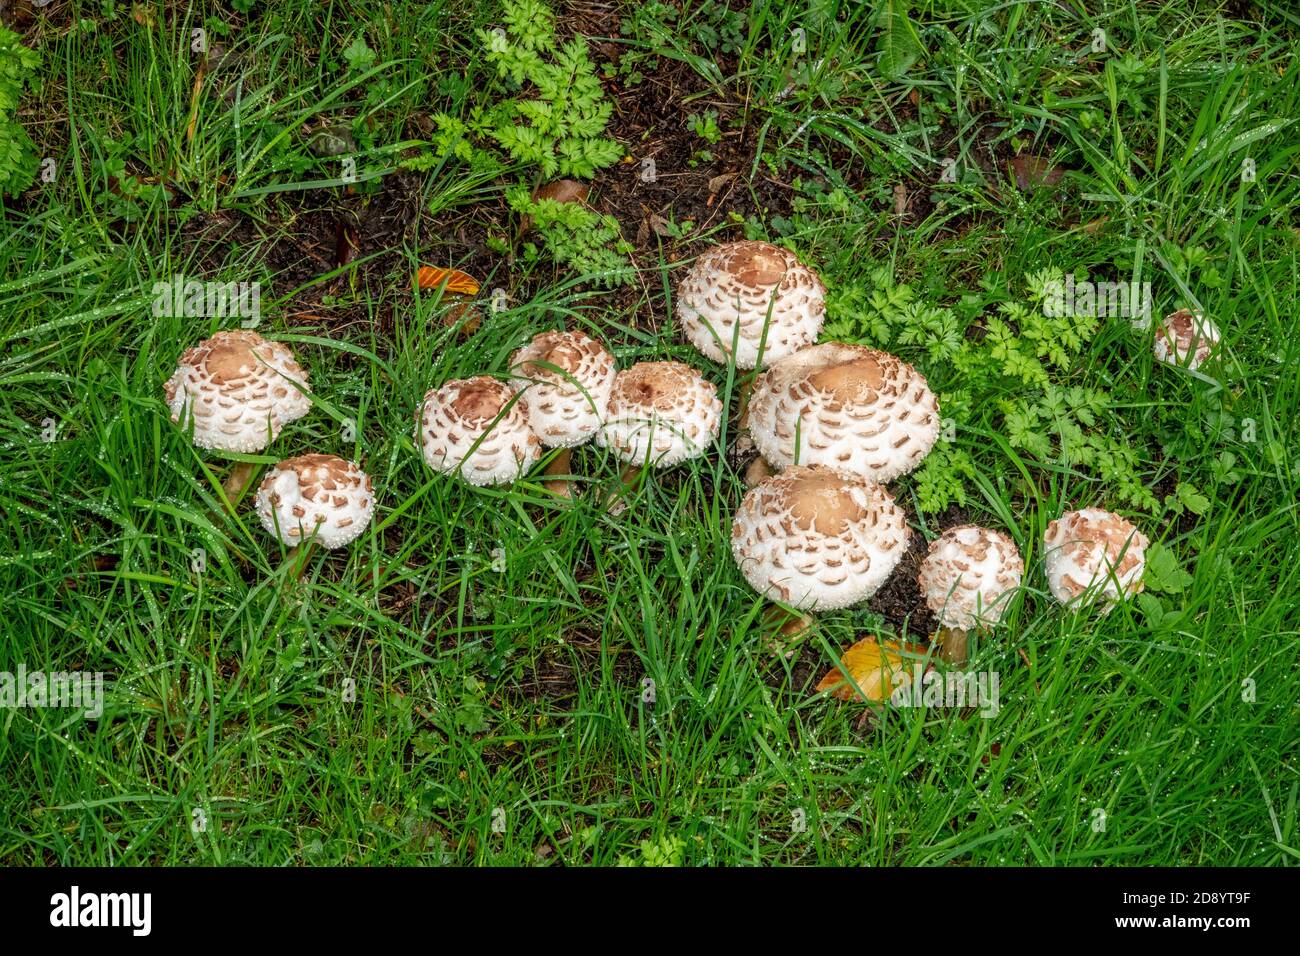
{"x": 560, "y": 465}
{"x": 758, "y": 470}
{"x": 952, "y": 645}
{"x": 237, "y": 480}
{"x": 783, "y": 629}
{"x": 297, "y": 559}
{"x": 746, "y": 390}
{"x": 616, "y": 504}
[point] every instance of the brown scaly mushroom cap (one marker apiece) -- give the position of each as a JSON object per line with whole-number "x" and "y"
{"x": 321, "y": 495}
{"x": 566, "y": 379}
{"x": 970, "y": 575}
{"x": 1185, "y": 338}
{"x": 738, "y": 283}
{"x": 239, "y": 389}
{"x": 1082, "y": 552}
{"x": 453, "y": 418}
{"x": 665, "y": 412}
{"x": 847, "y": 406}
{"x": 818, "y": 538}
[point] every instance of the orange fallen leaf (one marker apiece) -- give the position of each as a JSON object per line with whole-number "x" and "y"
{"x": 878, "y": 669}
{"x": 427, "y": 277}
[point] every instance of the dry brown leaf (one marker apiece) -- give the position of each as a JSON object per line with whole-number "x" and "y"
{"x": 346, "y": 242}
{"x": 464, "y": 314}
{"x": 878, "y": 669}
{"x": 717, "y": 182}
{"x": 900, "y": 200}
{"x": 1032, "y": 172}
{"x": 655, "y": 223}
{"x": 564, "y": 190}
{"x": 199, "y": 76}
{"x": 428, "y": 277}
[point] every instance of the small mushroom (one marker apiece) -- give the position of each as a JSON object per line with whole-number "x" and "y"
{"x": 475, "y": 428}
{"x": 239, "y": 390}
{"x": 968, "y": 578}
{"x": 818, "y": 538}
{"x": 1092, "y": 555}
{"x": 321, "y": 499}
{"x": 659, "y": 414}
{"x": 763, "y": 290}
{"x": 1185, "y": 338}
{"x": 565, "y": 380}
{"x": 845, "y": 406}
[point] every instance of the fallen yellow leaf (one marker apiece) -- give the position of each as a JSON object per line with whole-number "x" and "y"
{"x": 878, "y": 669}
{"x": 427, "y": 277}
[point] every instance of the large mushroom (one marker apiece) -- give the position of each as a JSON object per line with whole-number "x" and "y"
{"x": 845, "y": 406}
{"x": 818, "y": 538}
{"x": 315, "y": 499}
{"x": 968, "y": 577}
{"x": 565, "y": 380}
{"x": 755, "y": 294}
{"x": 659, "y": 414}
{"x": 1185, "y": 338}
{"x": 238, "y": 390}
{"x": 752, "y": 302}
{"x": 1093, "y": 555}
{"x": 476, "y": 429}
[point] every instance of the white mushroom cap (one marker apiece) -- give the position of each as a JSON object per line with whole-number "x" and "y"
{"x": 1185, "y": 338}
{"x": 969, "y": 576}
{"x": 666, "y": 412}
{"x": 1082, "y": 554}
{"x": 566, "y": 379}
{"x": 845, "y": 406}
{"x": 239, "y": 389}
{"x": 322, "y": 495}
{"x": 818, "y": 538}
{"x": 738, "y": 284}
{"x": 468, "y": 411}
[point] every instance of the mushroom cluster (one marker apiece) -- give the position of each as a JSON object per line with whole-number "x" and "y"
{"x": 565, "y": 389}
{"x": 833, "y": 422}
{"x": 840, "y": 419}
{"x": 235, "y": 392}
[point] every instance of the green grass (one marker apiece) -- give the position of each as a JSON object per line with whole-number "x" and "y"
{"x": 516, "y": 696}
